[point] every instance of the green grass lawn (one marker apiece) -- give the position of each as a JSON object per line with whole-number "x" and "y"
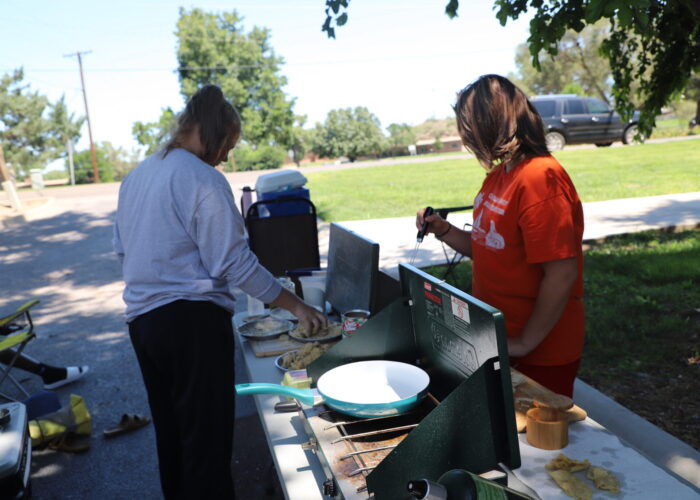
{"x": 642, "y": 296}
{"x": 599, "y": 174}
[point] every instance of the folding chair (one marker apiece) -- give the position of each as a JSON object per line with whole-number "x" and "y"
{"x": 283, "y": 234}
{"x": 15, "y": 336}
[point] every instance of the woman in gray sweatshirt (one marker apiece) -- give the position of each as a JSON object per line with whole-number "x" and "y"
{"x": 181, "y": 241}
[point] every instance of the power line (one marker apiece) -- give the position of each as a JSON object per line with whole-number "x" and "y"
{"x": 246, "y": 66}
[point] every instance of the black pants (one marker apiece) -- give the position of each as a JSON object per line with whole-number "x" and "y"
{"x": 185, "y": 350}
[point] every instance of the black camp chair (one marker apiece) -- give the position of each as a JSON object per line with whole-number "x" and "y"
{"x": 283, "y": 234}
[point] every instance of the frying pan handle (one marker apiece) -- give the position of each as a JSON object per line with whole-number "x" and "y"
{"x": 306, "y": 396}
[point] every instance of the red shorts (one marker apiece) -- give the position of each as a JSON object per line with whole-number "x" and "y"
{"x": 557, "y": 378}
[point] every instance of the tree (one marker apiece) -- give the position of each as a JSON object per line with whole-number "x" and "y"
{"x": 214, "y": 48}
{"x": 401, "y": 135}
{"x": 154, "y": 135}
{"x": 578, "y": 67}
{"x": 113, "y": 163}
{"x": 33, "y": 131}
{"x": 300, "y": 140}
{"x": 348, "y": 132}
{"x": 692, "y": 92}
{"x": 653, "y": 44}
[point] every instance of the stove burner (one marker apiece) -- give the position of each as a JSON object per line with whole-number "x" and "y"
{"x": 349, "y": 449}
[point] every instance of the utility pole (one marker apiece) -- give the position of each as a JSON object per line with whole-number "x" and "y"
{"x": 87, "y": 113}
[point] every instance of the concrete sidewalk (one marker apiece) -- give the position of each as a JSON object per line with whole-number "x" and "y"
{"x": 397, "y": 236}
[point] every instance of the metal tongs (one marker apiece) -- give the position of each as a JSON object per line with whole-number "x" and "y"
{"x": 421, "y": 232}
{"x": 442, "y": 212}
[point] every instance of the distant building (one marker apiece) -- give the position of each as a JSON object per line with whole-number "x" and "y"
{"x": 449, "y": 145}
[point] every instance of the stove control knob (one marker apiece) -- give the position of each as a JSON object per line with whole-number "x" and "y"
{"x": 311, "y": 444}
{"x": 329, "y": 488}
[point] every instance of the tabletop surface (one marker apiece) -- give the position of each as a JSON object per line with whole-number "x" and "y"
{"x": 301, "y": 474}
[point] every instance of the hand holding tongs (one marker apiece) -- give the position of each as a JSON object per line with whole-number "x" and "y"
{"x": 421, "y": 232}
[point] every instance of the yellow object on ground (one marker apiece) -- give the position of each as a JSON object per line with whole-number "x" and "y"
{"x": 74, "y": 418}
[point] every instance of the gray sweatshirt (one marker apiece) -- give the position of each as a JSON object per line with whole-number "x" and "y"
{"x": 179, "y": 235}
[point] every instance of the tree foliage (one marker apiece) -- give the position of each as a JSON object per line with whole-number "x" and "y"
{"x": 348, "y": 132}
{"x": 154, "y": 135}
{"x": 214, "y": 48}
{"x": 33, "y": 130}
{"x": 578, "y": 67}
{"x": 653, "y": 44}
{"x": 113, "y": 163}
{"x": 300, "y": 140}
{"x": 401, "y": 135}
{"x": 261, "y": 158}
{"x": 653, "y": 47}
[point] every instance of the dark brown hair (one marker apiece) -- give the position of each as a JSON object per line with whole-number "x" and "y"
{"x": 497, "y": 122}
{"x": 217, "y": 121}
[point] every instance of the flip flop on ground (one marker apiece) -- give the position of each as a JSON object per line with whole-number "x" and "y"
{"x": 128, "y": 422}
{"x": 73, "y": 373}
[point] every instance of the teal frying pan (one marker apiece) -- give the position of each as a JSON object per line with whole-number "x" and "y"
{"x": 363, "y": 389}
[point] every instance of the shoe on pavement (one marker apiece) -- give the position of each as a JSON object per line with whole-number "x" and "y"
{"x": 73, "y": 373}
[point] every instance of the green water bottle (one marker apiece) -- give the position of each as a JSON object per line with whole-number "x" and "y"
{"x": 459, "y": 484}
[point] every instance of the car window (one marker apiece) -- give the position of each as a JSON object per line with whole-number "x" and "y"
{"x": 597, "y": 106}
{"x": 574, "y": 107}
{"x": 544, "y": 108}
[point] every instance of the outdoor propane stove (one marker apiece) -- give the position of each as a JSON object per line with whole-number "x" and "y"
{"x": 466, "y": 421}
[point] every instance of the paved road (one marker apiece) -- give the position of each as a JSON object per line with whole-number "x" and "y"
{"x": 63, "y": 256}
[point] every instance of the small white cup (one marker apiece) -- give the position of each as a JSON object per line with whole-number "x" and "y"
{"x": 314, "y": 290}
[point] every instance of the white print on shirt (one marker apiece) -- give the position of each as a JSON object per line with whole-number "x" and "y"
{"x": 493, "y": 239}
{"x": 494, "y": 208}
{"x": 498, "y": 200}
{"x": 477, "y": 223}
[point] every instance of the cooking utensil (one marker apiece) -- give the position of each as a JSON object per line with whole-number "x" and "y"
{"x": 421, "y": 232}
{"x": 364, "y": 389}
{"x": 265, "y": 328}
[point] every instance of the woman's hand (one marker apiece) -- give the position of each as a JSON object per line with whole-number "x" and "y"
{"x": 436, "y": 224}
{"x": 311, "y": 319}
{"x": 456, "y": 238}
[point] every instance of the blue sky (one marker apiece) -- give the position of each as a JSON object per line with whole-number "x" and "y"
{"x": 404, "y": 60}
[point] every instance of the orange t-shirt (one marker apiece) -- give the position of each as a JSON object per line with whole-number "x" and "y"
{"x": 522, "y": 218}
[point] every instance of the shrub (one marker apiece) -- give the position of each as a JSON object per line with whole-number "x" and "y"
{"x": 261, "y": 158}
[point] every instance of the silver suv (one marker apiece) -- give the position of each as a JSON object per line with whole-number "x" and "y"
{"x": 572, "y": 119}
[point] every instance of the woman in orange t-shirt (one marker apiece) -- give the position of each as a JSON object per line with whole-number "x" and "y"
{"x": 525, "y": 243}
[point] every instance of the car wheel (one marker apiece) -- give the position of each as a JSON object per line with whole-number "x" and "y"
{"x": 628, "y": 135}
{"x": 603, "y": 144}
{"x": 555, "y": 141}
